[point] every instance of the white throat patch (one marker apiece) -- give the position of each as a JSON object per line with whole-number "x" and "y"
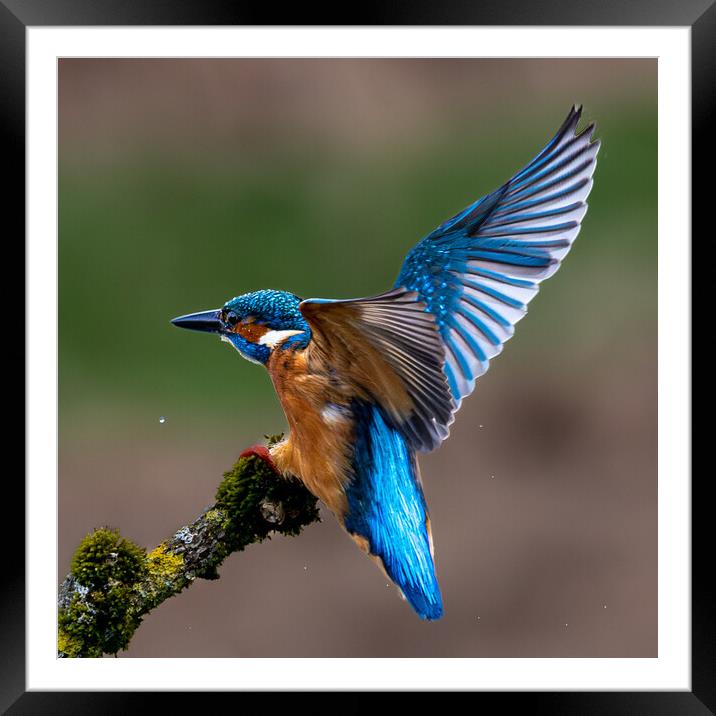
{"x": 273, "y": 338}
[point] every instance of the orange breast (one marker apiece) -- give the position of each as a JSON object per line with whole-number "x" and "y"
{"x": 318, "y": 446}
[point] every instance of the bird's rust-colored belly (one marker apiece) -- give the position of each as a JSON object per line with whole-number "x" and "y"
{"x": 319, "y": 445}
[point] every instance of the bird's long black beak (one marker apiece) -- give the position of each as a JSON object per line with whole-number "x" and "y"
{"x": 206, "y": 321}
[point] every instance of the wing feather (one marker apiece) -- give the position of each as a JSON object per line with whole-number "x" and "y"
{"x": 478, "y": 270}
{"x": 418, "y": 349}
{"x": 389, "y": 334}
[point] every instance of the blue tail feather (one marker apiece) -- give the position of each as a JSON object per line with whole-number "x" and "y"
{"x": 386, "y": 507}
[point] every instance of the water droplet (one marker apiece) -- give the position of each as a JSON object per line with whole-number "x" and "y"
{"x": 387, "y": 585}
{"x": 478, "y": 619}
{"x": 305, "y": 567}
{"x": 481, "y": 427}
{"x": 604, "y": 605}
{"x": 566, "y": 625}
{"x": 492, "y": 477}
{"x": 162, "y": 420}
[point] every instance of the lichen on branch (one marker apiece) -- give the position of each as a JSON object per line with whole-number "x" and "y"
{"x": 113, "y": 582}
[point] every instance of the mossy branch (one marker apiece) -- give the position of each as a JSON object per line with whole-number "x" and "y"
{"x": 113, "y": 582}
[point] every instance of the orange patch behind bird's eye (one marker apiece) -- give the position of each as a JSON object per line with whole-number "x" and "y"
{"x": 251, "y": 331}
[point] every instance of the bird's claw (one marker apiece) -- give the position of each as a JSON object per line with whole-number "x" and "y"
{"x": 261, "y": 452}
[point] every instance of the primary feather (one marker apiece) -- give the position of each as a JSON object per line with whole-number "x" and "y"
{"x": 473, "y": 278}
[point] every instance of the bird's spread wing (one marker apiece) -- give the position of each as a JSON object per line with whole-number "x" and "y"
{"x": 472, "y": 279}
{"x": 478, "y": 270}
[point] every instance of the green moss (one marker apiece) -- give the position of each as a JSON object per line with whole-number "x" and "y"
{"x": 215, "y": 516}
{"x": 105, "y": 555}
{"x": 250, "y": 484}
{"x": 98, "y": 617}
{"x": 98, "y": 622}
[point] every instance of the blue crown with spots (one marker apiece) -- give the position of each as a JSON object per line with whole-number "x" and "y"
{"x": 276, "y": 309}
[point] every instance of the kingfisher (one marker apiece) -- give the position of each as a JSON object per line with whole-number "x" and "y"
{"x": 368, "y": 383}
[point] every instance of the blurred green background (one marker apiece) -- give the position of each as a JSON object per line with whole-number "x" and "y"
{"x": 186, "y": 182}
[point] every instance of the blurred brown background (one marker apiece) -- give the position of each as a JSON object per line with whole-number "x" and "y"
{"x": 186, "y": 182}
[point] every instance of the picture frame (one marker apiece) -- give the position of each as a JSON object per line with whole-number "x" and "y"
{"x": 15, "y": 17}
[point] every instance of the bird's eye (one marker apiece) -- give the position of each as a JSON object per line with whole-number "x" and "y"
{"x": 231, "y": 318}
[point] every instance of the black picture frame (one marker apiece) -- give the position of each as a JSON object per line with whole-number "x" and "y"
{"x": 17, "y": 15}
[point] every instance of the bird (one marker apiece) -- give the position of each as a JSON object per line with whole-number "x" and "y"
{"x": 366, "y": 384}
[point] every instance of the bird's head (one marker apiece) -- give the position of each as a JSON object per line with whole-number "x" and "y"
{"x": 256, "y": 323}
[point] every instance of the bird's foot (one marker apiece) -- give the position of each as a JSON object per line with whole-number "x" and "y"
{"x": 261, "y": 452}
